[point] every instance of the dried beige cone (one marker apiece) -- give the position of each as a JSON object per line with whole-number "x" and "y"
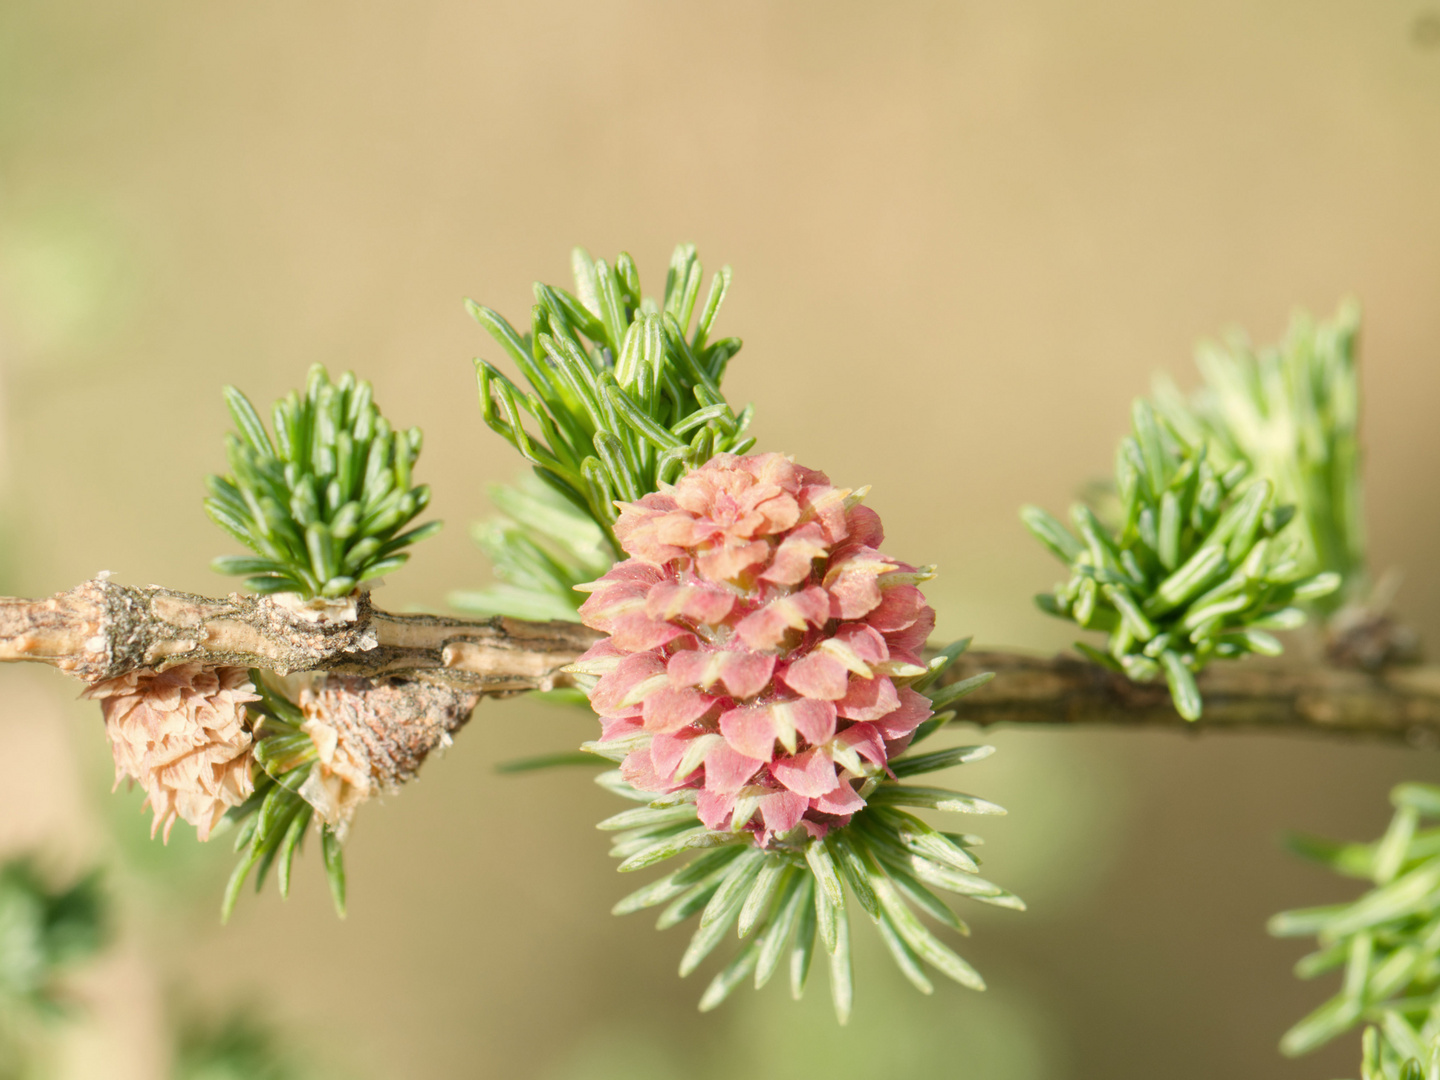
{"x": 183, "y": 735}
{"x": 372, "y": 736}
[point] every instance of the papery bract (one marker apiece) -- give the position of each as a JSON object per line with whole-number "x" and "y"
{"x": 182, "y": 735}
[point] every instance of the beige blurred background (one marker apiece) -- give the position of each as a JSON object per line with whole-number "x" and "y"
{"x": 964, "y": 236}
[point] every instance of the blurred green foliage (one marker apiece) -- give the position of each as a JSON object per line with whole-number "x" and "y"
{"x": 45, "y": 932}
{"x": 236, "y": 1047}
{"x": 1387, "y": 942}
{"x": 540, "y": 545}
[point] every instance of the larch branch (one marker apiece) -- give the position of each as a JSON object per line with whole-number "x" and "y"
{"x": 1397, "y": 703}
{"x": 101, "y": 629}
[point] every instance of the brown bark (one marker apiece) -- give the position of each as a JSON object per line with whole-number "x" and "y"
{"x": 100, "y": 630}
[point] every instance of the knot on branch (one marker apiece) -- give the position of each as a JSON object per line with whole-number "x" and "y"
{"x": 156, "y": 627}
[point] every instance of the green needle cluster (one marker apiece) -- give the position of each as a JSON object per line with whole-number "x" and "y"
{"x": 273, "y": 822}
{"x": 323, "y": 504}
{"x": 1292, "y": 413}
{"x": 1198, "y": 565}
{"x": 624, "y": 391}
{"x": 784, "y": 900}
{"x": 1387, "y": 943}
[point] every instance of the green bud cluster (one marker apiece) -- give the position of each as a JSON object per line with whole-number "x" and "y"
{"x": 792, "y": 895}
{"x": 1387, "y": 942}
{"x": 1198, "y": 566}
{"x": 623, "y": 393}
{"x": 271, "y": 825}
{"x": 323, "y": 505}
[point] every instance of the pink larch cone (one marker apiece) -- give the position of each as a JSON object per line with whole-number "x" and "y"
{"x": 182, "y": 735}
{"x": 760, "y": 645}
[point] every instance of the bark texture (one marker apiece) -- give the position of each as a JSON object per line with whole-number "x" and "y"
{"x": 101, "y": 630}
